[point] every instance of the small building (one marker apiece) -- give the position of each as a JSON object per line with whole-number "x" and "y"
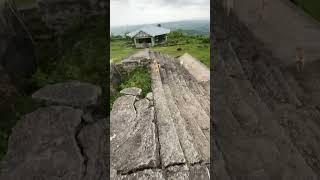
{"x": 149, "y": 36}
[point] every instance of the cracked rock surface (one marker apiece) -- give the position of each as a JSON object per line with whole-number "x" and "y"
{"x": 59, "y": 142}
{"x": 165, "y": 135}
{"x": 43, "y": 146}
{"x": 74, "y": 93}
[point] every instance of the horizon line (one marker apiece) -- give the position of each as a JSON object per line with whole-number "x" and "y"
{"x": 208, "y": 19}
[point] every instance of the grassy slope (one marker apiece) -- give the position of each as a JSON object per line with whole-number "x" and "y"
{"x": 310, "y": 6}
{"x": 121, "y": 48}
{"x": 197, "y": 46}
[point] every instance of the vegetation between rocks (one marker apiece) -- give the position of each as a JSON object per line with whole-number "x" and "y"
{"x": 140, "y": 78}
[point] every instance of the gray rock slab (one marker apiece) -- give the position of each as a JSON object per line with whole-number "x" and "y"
{"x": 185, "y": 138}
{"x": 199, "y": 172}
{"x": 43, "y": 146}
{"x": 122, "y": 120}
{"x": 74, "y": 93}
{"x": 92, "y": 139}
{"x": 145, "y": 175}
{"x": 198, "y": 70}
{"x": 149, "y": 96}
{"x": 180, "y": 172}
{"x": 133, "y": 139}
{"x": 170, "y": 149}
{"x": 131, "y": 91}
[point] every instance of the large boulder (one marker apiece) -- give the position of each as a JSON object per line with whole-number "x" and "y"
{"x": 74, "y": 93}
{"x": 43, "y": 145}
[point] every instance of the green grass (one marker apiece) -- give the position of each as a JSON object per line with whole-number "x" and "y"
{"x": 310, "y": 6}
{"x": 196, "y": 46}
{"x": 121, "y": 48}
{"x": 139, "y": 78}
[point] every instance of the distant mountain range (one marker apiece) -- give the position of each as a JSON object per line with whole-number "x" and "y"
{"x": 191, "y": 27}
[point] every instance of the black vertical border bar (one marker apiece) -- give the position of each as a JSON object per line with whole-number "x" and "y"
{"x": 211, "y": 88}
{"x": 107, "y": 96}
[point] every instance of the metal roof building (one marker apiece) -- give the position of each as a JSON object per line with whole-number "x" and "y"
{"x": 149, "y": 36}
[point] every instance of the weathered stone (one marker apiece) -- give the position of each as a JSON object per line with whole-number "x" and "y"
{"x": 131, "y": 91}
{"x": 198, "y": 70}
{"x": 133, "y": 138}
{"x": 145, "y": 175}
{"x": 74, "y": 93}
{"x": 149, "y": 96}
{"x": 93, "y": 140}
{"x": 43, "y": 146}
{"x": 179, "y": 172}
{"x": 200, "y": 172}
{"x": 122, "y": 120}
{"x": 190, "y": 115}
{"x": 185, "y": 138}
{"x": 170, "y": 151}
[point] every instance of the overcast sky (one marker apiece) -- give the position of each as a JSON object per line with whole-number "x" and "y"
{"x": 131, "y": 12}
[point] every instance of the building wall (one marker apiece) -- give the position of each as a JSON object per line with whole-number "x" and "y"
{"x": 142, "y": 45}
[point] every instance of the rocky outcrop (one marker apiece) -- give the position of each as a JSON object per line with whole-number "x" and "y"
{"x": 75, "y": 94}
{"x": 58, "y": 141}
{"x": 166, "y": 134}
{"x": 266, "y": 126}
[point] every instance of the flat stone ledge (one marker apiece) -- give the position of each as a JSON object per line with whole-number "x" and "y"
{"x": 74, "y": 93}
{"x": 131, "y": 91}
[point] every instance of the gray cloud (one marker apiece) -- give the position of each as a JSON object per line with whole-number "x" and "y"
{"x": 186, "y": 2}
{"x": 146, "y": 11}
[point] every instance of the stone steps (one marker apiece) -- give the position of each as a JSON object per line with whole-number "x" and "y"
{"x": 248, "y": 132}
{"x": 179, "y": 132}
{"x": 192, "y": 122}
{"x": 170, "y": 149}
